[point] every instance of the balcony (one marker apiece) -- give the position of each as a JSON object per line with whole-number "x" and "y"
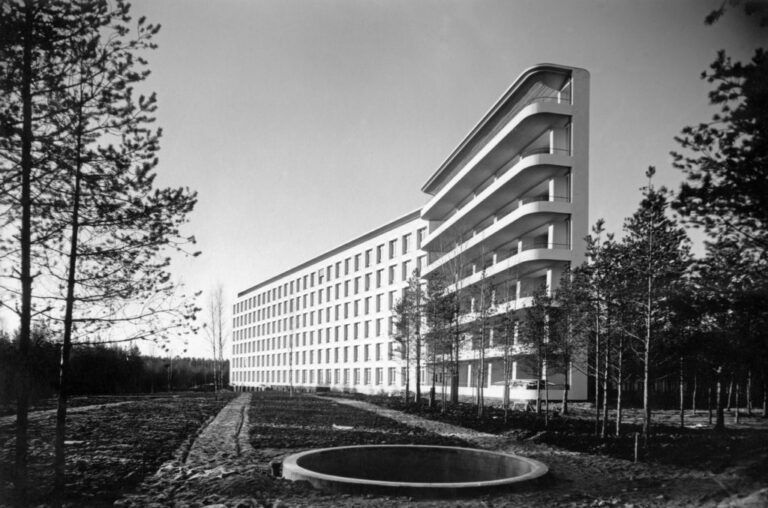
{"x": 525, "y": 171}
{"x": 531, "y": 212}
{"x": 525, "y": 261}
{"x": 502, "y": 151}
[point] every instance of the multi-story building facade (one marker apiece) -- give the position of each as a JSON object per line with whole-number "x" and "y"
{"x": 507, "y": 210}
{"x": 328, "y": 322}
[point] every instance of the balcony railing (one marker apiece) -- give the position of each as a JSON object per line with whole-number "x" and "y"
{"x": 513, "y": 161}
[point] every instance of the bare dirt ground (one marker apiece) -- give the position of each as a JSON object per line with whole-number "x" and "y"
{"x": 230, "y": 463}
{"x": 110, "y": 447}
{"x": 281, "y": 425}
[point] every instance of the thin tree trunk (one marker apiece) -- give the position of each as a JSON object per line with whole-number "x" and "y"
{"x": 738, "y": 402}
{"x": 566, "y": 386}
{"x": 693, "y": 395}
{"x": 682, "y": 394}
{"x": 709, "y": 403}
{"x": 546, "y": 392}
{"x": 597, "y": 375}
{"x": 25, "y": 238}
{"x": 730, "y": 394}
{"x": 606, "y": 373}
{"x": 749, "y": 392}
{"x": 619, "y": 389}
{"x": 720, "y": 413}
{"x": 61, "y": 410}
{"x": 647, "y": 349}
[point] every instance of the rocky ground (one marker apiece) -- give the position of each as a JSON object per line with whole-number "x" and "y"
{"x": 110, "y": 447}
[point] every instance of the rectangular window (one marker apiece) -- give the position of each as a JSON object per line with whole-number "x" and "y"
{"x": 379, "y": 276}
{"x": 346, "y": 288}
{"x": 366, "y": 353}
{"x": 367, "y": 305}
{"x": 392, "y": 274}
{"x": 392, "y": 248}
{"x": 391, "y": 376}
{"x": 378, "y": 327}
{"x": 357, "y": 285}
{"x": 378, "y": 302}
{"x": 356, "y": 375}
{"x": 367, "y": 376}
{"x": 367, "y": 281}
{"x": 355, "y": 352}
{"x": 379, "y": 375}
{"x": 406, "y": 268}
{"x": 406, "y": 243}
{"x": 346, "y": 266}
{"x": 368, "y": 258}
{"x": 357, "y": 262}
{"x": 378, "y": 352}
{"x": 379, "y": 253}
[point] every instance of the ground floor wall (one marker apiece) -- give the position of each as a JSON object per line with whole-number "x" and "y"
{"x": 522, "y": 384}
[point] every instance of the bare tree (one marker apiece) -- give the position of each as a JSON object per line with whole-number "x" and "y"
{"x": 216, "y": 335}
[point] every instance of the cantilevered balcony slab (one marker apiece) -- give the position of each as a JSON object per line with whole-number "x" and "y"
{"x": 521, "y": 220}
{"x": 529, "y": 122}
{"x": 524, "y": 262}
{"x": 523, "y": 175}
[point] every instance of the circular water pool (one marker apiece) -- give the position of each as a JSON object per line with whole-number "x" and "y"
{"x": 411, "y": 469}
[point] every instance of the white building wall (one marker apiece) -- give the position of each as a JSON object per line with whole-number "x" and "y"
{"x": 329, "y": 321}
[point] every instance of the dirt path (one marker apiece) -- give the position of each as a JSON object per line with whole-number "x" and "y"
{"x": 214, "y": 469}
{"x": 43, "y": 413}
{"x": 225, "y": 437}
{"x": 444, "y": 429}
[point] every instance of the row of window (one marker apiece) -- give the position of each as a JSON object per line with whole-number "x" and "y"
{"x": 354, "y": 331}
{"x": 344, "y": 354}
{"x": 349, "y": 288}
{"x": 357, "y": 262}
{"x": 346, "y": 376}
{"x": 360, "y": 307}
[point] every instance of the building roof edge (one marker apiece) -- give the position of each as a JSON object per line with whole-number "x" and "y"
{"x": 432, "y": 181}
{"x": 370, "y": 234}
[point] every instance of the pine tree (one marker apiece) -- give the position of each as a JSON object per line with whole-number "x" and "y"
{"x": 660, "y": 253}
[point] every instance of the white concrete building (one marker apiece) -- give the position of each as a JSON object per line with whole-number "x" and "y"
{"x": 328, "y": 322}
{"x": 507, "y": 208}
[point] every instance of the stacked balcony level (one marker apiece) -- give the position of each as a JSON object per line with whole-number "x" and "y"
{"x": 509, "y": 206}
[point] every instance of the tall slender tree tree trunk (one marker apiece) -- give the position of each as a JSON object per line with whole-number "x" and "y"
{"x": 606, "y": 374}
{"x": 25, "y": 237}
{"x": 619, "y": 389}
{"x": 693, "y": 395}
{"x": 682, "y": 393}
{"x": 597, "y": 375}
{"x": 64, "y": 369}
{"x": 719, "y": 411}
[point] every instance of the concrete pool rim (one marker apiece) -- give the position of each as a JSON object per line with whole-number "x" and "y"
{"x": 291, "y": 470}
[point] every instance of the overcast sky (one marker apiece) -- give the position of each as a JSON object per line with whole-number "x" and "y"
{"x": 303, "y": 124}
